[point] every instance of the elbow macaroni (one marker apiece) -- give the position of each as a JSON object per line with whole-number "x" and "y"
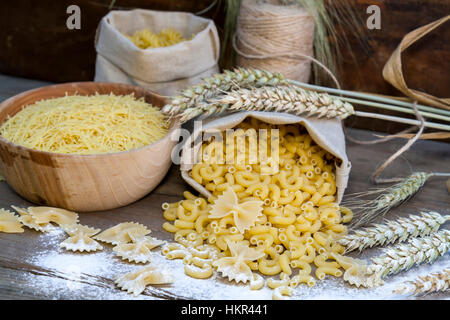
{"x": 300, "y": 222}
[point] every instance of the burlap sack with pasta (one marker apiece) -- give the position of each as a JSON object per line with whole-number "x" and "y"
{"x": 327, "y": 133}
{"x": 164, "y": 70}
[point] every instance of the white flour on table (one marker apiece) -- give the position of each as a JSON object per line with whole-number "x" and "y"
{"x": 91, "y": 276}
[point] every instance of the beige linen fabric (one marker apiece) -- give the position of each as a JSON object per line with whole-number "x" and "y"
{"x": 327, "y": 133}
{"x": 165, "y": 70}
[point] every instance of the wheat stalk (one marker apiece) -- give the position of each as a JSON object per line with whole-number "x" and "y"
{"x": 423, "y": 285}
{"x": 222, "y": 83}
{"x": 219, "y": 83}
{"x": 404, "y": 256}
{"x": 368, "y": 210}
{"x": 393, "y": 231}
{"x": 287, "y": 99}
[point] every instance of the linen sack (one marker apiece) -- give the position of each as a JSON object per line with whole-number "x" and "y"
{"x": 164, "y": 70}
{"x": 327, "y": 133}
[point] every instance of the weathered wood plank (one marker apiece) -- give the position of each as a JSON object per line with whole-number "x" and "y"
{"x": 18, "y": 274}
{"x": 425, "y": 155}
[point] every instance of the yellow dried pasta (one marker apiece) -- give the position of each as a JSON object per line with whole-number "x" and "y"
{"x": 80, "y": 238}
{"x": 29, "y": 221}
{"x": 299, "y": 223}
{"x": 9, "y": 222}
{"x": 235, "y": 267}
{"x": 59, "y": 216}
{"x": 136, "y": 281}
{"x": 75, "y": 124}
{"x": 245, "y": 214}
{"x": 145, "y": 39}
{"x": 81, "y": 243}
{"x": 139, "y": 251}
{"x": 122, "y": 233}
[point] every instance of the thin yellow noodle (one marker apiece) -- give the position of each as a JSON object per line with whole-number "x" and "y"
{"x": 76, "y": 124}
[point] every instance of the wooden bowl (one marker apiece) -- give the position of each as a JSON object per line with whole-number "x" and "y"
{"x": 83, "y": 182}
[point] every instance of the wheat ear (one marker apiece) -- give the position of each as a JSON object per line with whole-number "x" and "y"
{"x": 219, "y": 83}
{"x": 285, "y": 99}
{"x": 394, "y": 231}
{"x": 404, "y": 256}
{"x": 366, "y": 211}
{"x": 423, "y": 285}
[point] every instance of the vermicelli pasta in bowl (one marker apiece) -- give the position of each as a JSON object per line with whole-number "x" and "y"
{"x": 93, "y": 124}
{"x": 84, "y": 146}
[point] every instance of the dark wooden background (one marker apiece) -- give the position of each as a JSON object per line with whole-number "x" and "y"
{"x": 35, "y": 43}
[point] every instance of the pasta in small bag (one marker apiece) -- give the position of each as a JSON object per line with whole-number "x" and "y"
{"x": 166, "y": 69}
{"x": 271, "y": 186}
{"x": 327, "y": 133}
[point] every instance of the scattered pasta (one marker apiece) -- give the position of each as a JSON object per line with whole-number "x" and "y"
{"x": 29, "y": 221}
{"x": 280, "y": 293}
{"x": 80, "y": 238}
{"x": 139, "y": 251}
{"x": 81, "y": 243}
{"x": 282, "y": 282}
{"x": 256, "y": 282}
{"x": 355, "y": 270}
{"x": 9, "y": 222}
{"x": 235, "y": 267}
{"x": 43, "y": 215}
{"x": 136, "y": 281}
{"x": 122, "y": 233}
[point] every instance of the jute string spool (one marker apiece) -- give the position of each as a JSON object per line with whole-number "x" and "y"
{"x": 277, "y": 38}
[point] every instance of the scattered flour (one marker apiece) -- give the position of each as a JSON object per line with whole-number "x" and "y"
{"x": 91, "y": 275}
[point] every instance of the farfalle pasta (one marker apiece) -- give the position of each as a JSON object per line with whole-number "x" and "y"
{"x": 282, "y": 204}
{"x": 122, "y": 233}
{"x": 81, "y": 243}
{"x": 244, "y": 214}
{"x": 355, "y": 270}
{"x": 59, "y": 216}
{"x": 235, "y": 267}
{"x": 80, "y": 238}
{"x": 136, "y": 281}
{"x": 29, "y": 221}
{"x": 9, "y": 222}
{"x": 139, "y": 250}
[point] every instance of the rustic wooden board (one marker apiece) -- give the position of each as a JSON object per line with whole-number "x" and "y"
{"x": 20, "y": 277}
{"x": 17, "y": 275}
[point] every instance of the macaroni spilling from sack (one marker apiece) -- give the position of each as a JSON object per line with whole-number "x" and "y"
{"x": 147, "y": 39}
{"x": 86, "y": 124}
{"x": 272, "y": 223}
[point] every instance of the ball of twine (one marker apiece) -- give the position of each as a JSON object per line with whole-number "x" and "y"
{"x": 277, "y": 38}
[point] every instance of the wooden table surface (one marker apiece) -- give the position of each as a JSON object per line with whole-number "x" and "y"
{"x": 18, "y": 274}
